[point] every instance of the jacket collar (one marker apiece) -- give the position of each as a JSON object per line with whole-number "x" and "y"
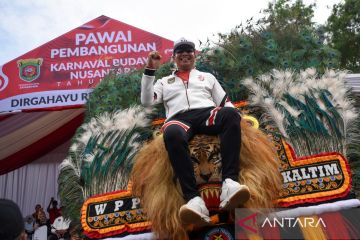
{"x": 192, "y": 72}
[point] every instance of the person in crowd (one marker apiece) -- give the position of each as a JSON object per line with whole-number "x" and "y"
{"x": 37, "y": 209}
{"x": 42, "y": 227}
{"x": 41, "y": 218}
{"x": 53, "y": 211}
{"x": 29, "y": 226}
{"x": 195, "y": 103}
{"x": 11, "y": 221}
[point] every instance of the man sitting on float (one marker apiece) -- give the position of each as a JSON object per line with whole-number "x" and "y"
{"x": 195, "y": 103}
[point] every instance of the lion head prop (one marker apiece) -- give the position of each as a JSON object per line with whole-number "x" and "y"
{"x": 161, "y": 196}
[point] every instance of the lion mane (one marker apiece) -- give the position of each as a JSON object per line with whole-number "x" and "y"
{"x": 161, "y": 196}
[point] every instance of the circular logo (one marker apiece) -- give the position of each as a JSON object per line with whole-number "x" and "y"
{"x": 171, "y": 80}
{"x": 218, "y": 233}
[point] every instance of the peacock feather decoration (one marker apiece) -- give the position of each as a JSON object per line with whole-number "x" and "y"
{"x": 314, "y": 113}
{"x": 119, "y": 92}
{"x": 251, "y": 51}
{"x": 101, "y": 156}
{"x": 113, "y": 93}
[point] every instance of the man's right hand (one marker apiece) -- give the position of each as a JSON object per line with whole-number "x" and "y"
{"x": 153, "y": 61}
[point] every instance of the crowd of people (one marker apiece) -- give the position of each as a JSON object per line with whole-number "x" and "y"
{"x": 38, "y": 219}
{"x": 35, "y": 226}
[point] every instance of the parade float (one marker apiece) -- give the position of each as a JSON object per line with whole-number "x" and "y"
{"x": 300, "y": 136}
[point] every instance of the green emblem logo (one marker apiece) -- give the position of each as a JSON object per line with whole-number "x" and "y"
{"x": 171, "y": 80}
{"x": 29, "y": 69}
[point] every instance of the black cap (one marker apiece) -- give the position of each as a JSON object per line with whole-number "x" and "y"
{"x": 11, "y": 220}
{"x": 183, "y": 44}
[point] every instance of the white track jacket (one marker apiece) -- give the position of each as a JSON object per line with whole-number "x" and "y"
{"x": 202, "y": 90}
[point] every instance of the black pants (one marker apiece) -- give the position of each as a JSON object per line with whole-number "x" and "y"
{"x": 178, "y": 131}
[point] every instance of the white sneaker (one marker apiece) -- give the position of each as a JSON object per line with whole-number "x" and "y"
{"x": 233, "y": 194}
{"x": 194, "y": 212}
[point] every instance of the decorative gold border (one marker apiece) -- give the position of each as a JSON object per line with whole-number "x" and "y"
{"x": 110, "y": 231}
{"x": 318, "y": 158}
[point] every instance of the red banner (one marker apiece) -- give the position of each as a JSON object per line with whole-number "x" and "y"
{"x": 63, "y": 72}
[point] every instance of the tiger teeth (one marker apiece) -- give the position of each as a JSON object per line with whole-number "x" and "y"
{"x": 210, "y": 193}
{"x": 206, "y": 192}
{"x": 217, "y": 193}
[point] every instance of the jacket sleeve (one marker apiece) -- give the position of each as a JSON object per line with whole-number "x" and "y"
{"x": 150, "y": 94}
{"x": 219, "y": 95}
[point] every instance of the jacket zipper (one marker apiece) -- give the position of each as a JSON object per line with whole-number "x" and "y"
{"x": 186, "y": 87}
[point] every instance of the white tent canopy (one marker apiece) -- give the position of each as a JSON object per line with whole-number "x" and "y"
{"x": 24, "y": 136}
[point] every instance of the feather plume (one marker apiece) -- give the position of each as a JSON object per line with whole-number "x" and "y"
{"x": 313, "y": 114}
{"x": 101, "y": 157}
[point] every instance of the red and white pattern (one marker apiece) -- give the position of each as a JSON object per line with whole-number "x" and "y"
{"x": 172, "y": 122}
{"x": 211, "y": 120}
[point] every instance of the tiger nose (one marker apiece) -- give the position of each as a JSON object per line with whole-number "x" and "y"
{"x": 205, "y": 176}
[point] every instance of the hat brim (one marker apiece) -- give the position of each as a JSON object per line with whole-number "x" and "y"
{"x": 184, "y": 47}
